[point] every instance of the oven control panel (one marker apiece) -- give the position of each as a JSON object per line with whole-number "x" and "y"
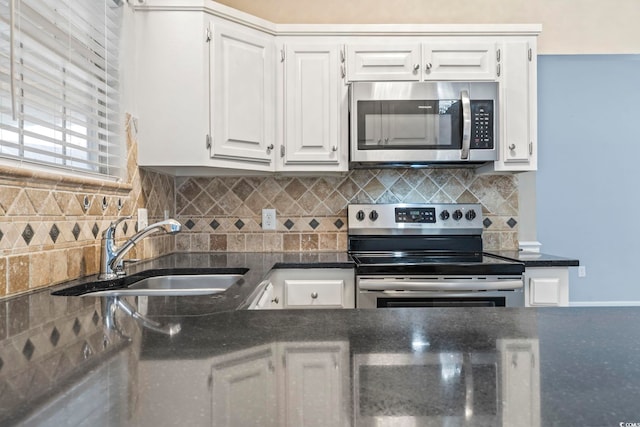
{"x": 415, "y": 215}
{"x": 454, "y": 218}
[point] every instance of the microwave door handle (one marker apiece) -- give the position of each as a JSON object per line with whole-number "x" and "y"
{"x": 466, "y": 125}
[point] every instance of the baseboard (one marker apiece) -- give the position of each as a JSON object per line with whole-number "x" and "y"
{"x": 604, "y": 303}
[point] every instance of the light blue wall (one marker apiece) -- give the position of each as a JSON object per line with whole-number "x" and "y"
{"x": 588, "y": 182}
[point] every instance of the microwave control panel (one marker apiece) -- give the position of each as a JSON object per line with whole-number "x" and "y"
{"x": 481, "y": 124}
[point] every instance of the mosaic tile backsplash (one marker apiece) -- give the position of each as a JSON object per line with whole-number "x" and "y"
{"x": 224, "y": 214}
{"x": 51, "y": 229}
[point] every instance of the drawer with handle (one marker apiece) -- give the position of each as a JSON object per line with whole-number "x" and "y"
{"x": 313, "y": 293}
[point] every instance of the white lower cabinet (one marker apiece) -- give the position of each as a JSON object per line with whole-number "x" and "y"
{"x": 294, "y": 384}
{"x": 546, "y": 287}
{"x": 520, "y": 382}
{"x": 307, "y": 288}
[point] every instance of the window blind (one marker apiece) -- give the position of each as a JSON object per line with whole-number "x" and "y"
{"x": 65, "y": 81}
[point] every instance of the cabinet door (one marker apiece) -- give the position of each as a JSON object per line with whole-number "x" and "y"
{"x": 518, "y": 106}
{"x": 242, "y": 95}
{"x": 244, "y": 389}
{"x": 379, "y": 62}
{"x": 313, "y": 100}
{"x": 547, "y": 286}
{"x": 520, "y": 382}
{"x": 315, "y": 385}
{"x": 459, "y": 61}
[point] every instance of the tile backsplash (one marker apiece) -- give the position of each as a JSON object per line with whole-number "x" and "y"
{"x": 51, "y": 228}
{"x": 224, "y": 214}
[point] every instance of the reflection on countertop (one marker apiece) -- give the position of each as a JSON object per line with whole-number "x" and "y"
{"x": 478, "y": 366}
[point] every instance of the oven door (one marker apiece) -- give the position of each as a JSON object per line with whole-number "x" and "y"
{"x": 464, "y": 291}
{"x": 424, "y": 389}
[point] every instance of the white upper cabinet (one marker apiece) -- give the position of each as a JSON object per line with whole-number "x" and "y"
{"x": 454, "y": 60}
{"x": 242, "y": 95}
{"x": 429, "y": 58}
{"x": 518, "y": 95}
{"x": 517, "y": 107}
{"x": 218, "y": 91}
{"x": 314, "y": 107}
{"x": 384, "y": 62}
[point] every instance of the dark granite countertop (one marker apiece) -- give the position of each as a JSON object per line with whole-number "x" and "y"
{"x": 473, "y": 366}
{"x": 62, "y": 363}
{"x": 536, "y": 259}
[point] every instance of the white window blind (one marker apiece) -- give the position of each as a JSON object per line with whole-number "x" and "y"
{"x": 65, "y": 77}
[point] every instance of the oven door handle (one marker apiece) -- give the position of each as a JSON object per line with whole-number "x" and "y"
{"x": 439, "y": 285}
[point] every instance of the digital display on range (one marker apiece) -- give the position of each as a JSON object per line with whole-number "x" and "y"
{"x": 416, "y": 215}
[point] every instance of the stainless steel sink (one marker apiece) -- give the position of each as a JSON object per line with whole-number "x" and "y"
{"x": 175, "y": 285}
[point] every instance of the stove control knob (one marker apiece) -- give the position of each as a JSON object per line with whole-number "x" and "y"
{"x": 444, "y": 215}
{"x": 360, "y": 215}
{"x": 470, "y": 215}
{"x": 457, "y": 214}
{"x": 373, "y": 215}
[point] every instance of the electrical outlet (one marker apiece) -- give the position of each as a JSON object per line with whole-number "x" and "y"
{"x": 582, "y": 271}
{"x": 268, "y": 219}
{"x": 143, "y": 218}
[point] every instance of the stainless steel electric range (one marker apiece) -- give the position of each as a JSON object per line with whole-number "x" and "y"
{"x": 427, "y": 255}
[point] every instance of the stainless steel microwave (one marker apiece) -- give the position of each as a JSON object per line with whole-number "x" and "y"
{"x": 422, "y": 123}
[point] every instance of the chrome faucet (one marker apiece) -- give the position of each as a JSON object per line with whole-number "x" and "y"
{"x": 111, "y": 257}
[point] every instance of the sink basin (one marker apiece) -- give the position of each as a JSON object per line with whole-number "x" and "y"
{"x": 175, "y": 285}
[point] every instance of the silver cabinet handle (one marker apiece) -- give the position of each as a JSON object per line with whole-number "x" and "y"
{"x": 466, "y": 124}
{"x": 498, "y": 70}
{"x": 416, "y": 67}
{"x": 427, "y": 65}
{"x": 314, "y": 295}
{"x": 269, "y": 148}
{"x": 512, "y": 147}
{"x": 334, "y": 148}
{"x": 343, "y": 72}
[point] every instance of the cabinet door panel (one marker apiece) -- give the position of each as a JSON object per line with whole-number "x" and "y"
{"x": 520, "y": 382}
{"x": 242, "y": 96}
{"x": 516, "y": 104}
{"x": 314, "y": 385}
{"x": 459, "y": 61}
{"x": 312, "y": 105}
{"x": 245, "y": 390}
{"x": 375, "y": 62}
